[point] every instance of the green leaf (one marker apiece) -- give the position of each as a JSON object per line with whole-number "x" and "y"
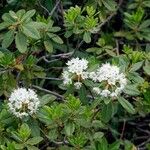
{"x": 28, "y": 15}
{"x": 115, "y": 145}
{"x": 55, "y": 38}
{"x": 21, "y": 42}
{"x": 31, "y": 31}
{"x": 126, "y": 105}
{"x": 8, "y": 39}
{"x": 34, "y": 126}
{"x": 1, "y": 54}
{"x": 46, "y": 99}
{"x": 110, "y": 5}
{"x": 7, "y": 18}
{"x": 38, "y": 25}
{"x": 103, "y": 145}
{"x": 110, "y": 52}
{"x": 107, "y": 112}
{"x": 48, "y": 46}
{"x": 82, "y": 95}
{"x": 44, "y": 114}
{"x": 19, "y": 146}
{"x": 136, "y": 66}
{"x": 4, "y": 25}
{"x": 29, "y": 147}
{"x": 146, "y": 68}
{"x": 34, "y": 140}
{"x": 24, "y": 131}
{"x": 93, "y": 49}
{"x": 54, "y": 29}
{"x": 145, "y": 24}
{"x": 13, "y": 14}
{"x": 87, "y": 37}
{"x": 69, "y": 128}
{"x": 52, "y": 134}
{"x": 98, "y": 124}
{"x": 20, "y": 13}
{"x": 98, "y": 135}
{"x": 68, "y": 34}
{"x": 131, "y": 90}
{"x": 147, "y": 3}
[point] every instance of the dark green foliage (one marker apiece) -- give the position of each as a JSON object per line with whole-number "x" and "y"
{"x": 37, "y": 38}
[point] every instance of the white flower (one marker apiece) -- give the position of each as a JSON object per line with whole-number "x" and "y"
{"x": 75, "y": 72}
{"x": 84, "y": 75}
{"x": 23, "y": 102}
{"x": 105, "y": 93}
{"x": 96, "y": 90}
{"x": 93, "y": 76}
{"x": 114, "y": 94}
{"x": 112, "y": 81}
{"x": 107, "y": 72}
{"x": 77, "y": 65}
{"x": 77, "y": 85}
{"x": 66, "y": 78}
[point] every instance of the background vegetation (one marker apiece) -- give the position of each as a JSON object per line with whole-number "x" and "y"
{"x": 38, "y": 37}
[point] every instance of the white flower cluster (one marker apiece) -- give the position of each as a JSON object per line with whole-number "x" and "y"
{"x": 112, "y": 82}
{"x": 23, "y": 102}
{"x": 76, "y": 72}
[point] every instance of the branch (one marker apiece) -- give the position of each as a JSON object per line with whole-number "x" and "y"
{"x": 49, "y": 78}
{"x": 63, "y": 55}
{"x": 53, "y": 10}
{"x": 49, "y": 61}
{"x": 123, "y": 129}
{"x": 48, "y": 91}
{"x": 111, "y": 16}
{"x": 5, "y": 70}
{"x": 44, "y": 7}
{"x": 117, "y": 47}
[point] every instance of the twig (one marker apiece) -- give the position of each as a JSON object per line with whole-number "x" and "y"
{"x": 77, "y": 47}
{"x": 4, "y": 70}
{"x": 144, "y": 143}
{"x": 49, "y": 78}
{"x": 141, "y": 138}
{"x": 61, "y": 143}
{"x": 63, "y": 55}
{"x": 117, "y": 47}
{"x": 69, "y": 54}
{"x": 107, "y": 20}
{"x": 95, "y": 113}
{"x": 111, "y": 16}
{"x": 44, "y": 7}
{"x": 51, "y": 13}
{"x": 123, "y": 129}
{"x": 133, "y": 44}
{"x": 49, "y": 61}
{"x": 48, "y": 91}
{"x": 145, "y": 131}
{"x": 23, "y": 61}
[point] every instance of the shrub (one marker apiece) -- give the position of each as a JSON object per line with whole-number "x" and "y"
{"x": 74, "y": 75}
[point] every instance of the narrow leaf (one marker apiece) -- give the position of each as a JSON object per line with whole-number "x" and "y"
{"x": 4, "y": 25}
{"x": 87, "y": 37}
{"x": 126, "y": 105}
{"x": 69, "y": 128}
{"x": 34, "y": 140}
{"x": 28, "y": 15}
{"x": 8, "y": 39}
{"x": 30, "y": 31}
{"x": 55, "y": 38}
{"x": 21, "y": 42}
{"x": 48, "y": 46}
